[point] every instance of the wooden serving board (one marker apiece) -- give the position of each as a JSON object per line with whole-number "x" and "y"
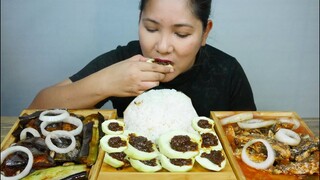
{"x": 197, "y": 173}
{"x": 218, "y": 115}
{"x": 108, "y": 114}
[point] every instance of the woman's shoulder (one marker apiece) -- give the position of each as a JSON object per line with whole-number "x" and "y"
{"x": 218, "y": 58}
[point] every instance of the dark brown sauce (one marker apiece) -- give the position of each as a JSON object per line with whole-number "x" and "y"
{"x": 183, "y": 143}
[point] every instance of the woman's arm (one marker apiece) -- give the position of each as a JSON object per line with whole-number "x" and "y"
{"x": 130, "y": 77}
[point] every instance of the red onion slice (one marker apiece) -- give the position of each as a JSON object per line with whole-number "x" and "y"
{"x": 288, "y": 136}
{"x": 34, "y": 132}
{"x": 26, "y": 170}
{"x": 58, "y": 134}
{"x": 59, "y": 115}
{"x": 258, "y": 165}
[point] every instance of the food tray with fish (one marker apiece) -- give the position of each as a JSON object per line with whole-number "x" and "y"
{"x": 268, "y": 145}
{"x": 72, "y": 155}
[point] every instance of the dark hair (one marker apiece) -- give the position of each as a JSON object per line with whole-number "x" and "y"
{"x": 200, "y": 8}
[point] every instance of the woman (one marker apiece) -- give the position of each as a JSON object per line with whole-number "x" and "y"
{"x": 175, "y": 31}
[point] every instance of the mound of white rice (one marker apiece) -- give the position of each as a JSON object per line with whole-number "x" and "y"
{"x": 158, "y": 111}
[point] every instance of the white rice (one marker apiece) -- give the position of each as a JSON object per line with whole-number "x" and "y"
{"x": 158, "y": 111}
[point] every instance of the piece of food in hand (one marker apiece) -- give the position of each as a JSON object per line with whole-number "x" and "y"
{"x": 113, "y": 126}
{"x": 179, "y": 144}
{"x": 116, "y": 160}
{"x": 213, "y": 159}
{"x": 202, "y": 124}
{"x": 176, "y": 164}
{"x": 160, "y": 61}
{"x": 151, "y": 165}
{"x": 140, "y": 147}
{"x": 114, "y": 143}
{"x": 210, "y": 141}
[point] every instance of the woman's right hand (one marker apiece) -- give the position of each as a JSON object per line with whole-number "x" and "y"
{"x": 131, "y": 77}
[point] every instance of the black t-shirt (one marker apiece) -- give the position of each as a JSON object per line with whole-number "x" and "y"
{"x": 216, "y": 82}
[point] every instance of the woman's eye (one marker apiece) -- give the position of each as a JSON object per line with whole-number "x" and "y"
{"x": 151, "y": 30}
{"x": 182, "y": 35}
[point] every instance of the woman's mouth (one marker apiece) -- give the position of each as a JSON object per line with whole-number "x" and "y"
{"x": 163, "y": 62}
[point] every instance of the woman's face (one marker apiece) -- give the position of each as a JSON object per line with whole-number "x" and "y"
{"x": 168, "y": 30}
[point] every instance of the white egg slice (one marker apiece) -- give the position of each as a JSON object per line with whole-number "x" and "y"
{"x": 107, "y": 141}
{"x": 135, "y": 153}
{"x": 168, "y": 165}
{"x": 142, "y": 167}
{"x": 210, "y": 141}
{"x": 166, "y": 149}
{"x": 108, "y": 125}
{"x": 108, "y": 159}
{"x": 202, "y": 124}
{"x": 206, "y": 163}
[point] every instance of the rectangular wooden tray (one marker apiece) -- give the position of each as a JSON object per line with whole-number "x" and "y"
{"x": 218, "y": 115}
{"x": 108, "y": 114}
{"x": 197, "y": 172}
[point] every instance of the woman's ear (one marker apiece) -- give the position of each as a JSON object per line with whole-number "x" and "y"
{"x": 206, "y": 32}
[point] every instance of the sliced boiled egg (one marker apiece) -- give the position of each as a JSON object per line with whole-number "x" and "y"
{"x": 114, "y": 143}
{"x": 151, "y": 165}
{"x": 140, "y": 147}
{"x": 213, "y": 160}
{"x": 210, "y": 141}
{"x": 179, "y": 144}
{"x": 202, "y": 124}
{"x": 116, "y": 160}
{"x": 176, "y": 165}
{"x": 113, "y": 126}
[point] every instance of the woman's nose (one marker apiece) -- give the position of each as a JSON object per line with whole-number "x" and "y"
{"x": 164, "y": 45}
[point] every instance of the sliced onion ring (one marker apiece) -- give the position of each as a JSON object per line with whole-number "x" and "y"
{"x": 295, "y": 122}
{"x": 255, "y": 123}
{"x": 288, "y": 136}
{"x": 260, "y": 165}
{"x": 61, "y": 114}
{"x": 26, "y": 170}
{"x": 72, "y": 120}
{"x": 57, "y": 134}
{"x": 75, "y": 121}
{"x": 34, "y": 132}
{"x": 236, "y": 118}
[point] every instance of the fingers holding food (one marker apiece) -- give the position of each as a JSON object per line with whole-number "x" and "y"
{"x": 159, "y": 61}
